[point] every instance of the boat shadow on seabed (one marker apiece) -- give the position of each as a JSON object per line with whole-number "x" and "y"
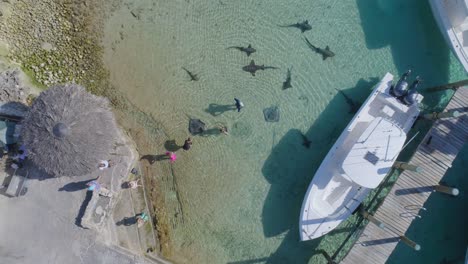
{"x": 290, "y": 175}
{"x": 414, "y": 39}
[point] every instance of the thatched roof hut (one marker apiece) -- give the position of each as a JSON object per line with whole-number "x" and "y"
{"x": 68, "y": 131}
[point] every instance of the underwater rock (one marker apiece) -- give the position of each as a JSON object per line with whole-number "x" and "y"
{"x": 271, "y": 114}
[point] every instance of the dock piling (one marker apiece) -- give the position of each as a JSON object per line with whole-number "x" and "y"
{"x": 406, "y": 166}
{"x": 372, "y": 219}
{"x": 452, "y": 86}
{"x": 327, "y": 257}
{"x": 446, "y": 190}
{"x": 435, "y": 115}
{"x": 410, "y": 243}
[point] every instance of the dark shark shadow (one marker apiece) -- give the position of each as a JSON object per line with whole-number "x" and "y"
{"x": 290, "y": 168}
{"x": 217, "y": 109}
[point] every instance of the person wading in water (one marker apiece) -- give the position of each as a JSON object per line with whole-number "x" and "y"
{"x": 187, "y": 144}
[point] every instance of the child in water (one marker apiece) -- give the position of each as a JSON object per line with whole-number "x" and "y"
{"x": 223, "y": 130}
{"x": 187, "y": 144}
{"x": 172, "y": 156}
{"x": 239, "y": 104}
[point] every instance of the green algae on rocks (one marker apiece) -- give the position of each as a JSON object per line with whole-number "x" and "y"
{"x": 55, "y": 41}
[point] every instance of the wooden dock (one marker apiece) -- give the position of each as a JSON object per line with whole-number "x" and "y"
{"x": 434, "y": 155}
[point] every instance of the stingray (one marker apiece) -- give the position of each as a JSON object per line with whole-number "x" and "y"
{"x": 196, "y": 126}
{"x": 271, "y": 114}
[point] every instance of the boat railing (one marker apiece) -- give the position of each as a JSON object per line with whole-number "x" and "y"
{"x": 347, "y": 208}
{"x": 460, "y": 45}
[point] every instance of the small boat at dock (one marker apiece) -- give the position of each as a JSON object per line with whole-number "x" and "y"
{"x": 361, "y": 157}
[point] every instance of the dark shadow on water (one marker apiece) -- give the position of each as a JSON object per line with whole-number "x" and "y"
{"x": 81, "y": 212}
{"x": 75, "y": 186}
{"x": 409, "y": 29}
{"x": 289, "y": 169}
{"x": 171, "y": 145}
{"x": 153, "y": 158}
{"x": 250, "y": 261}
{"x": 380, "y": 241}
{"x": 422, "y": 189}
{"x": 211, "y": 132}
{"x": 217, "y": 109}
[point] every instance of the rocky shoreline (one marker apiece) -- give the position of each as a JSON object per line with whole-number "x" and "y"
{"x": 12, "y": 88}
{"x": 60, "y": 42}
{"x": 54, "y": 41}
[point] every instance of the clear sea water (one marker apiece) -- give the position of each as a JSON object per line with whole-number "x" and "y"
{"x": 241, "y": 194}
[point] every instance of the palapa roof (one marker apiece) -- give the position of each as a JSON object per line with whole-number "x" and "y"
{"x": 68, "y": 131}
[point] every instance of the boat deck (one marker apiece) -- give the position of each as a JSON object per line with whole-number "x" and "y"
{"x": 435, "y": 156}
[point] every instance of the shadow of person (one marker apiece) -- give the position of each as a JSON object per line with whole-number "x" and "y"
{"x": 153, "y": 158}
{"x": 127, "y": 221}
{"x": 75, "y": 186}
{"x": 211, "y": 132}
{"x": 171, "y": 145}
{"x": 82, "y": 210}
{"x": 216, "y": 109}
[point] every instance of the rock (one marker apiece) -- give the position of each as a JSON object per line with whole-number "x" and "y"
{"x": 136, "y": 13}
{"x": 11, "y": 88}
{"x": 47, "y": 46}
{"x": 99, "y": 210}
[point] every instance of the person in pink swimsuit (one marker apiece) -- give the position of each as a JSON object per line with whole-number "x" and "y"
{"x": 172, "y": 156}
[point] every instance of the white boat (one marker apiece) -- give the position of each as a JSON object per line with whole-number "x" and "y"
{"x": 452, "y": 18}
{"x": 361, "y": 157}
{"x": 466, "y": 256}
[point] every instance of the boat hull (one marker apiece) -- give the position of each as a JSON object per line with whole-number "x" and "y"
{"x": 378, "y": 130}
{"x": 451, "y": 17}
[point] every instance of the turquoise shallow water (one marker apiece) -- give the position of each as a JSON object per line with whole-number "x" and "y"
{"x": 241, "y": 194}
